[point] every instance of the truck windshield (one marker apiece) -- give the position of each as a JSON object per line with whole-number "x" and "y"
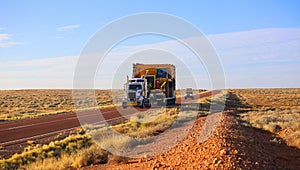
{"x": 135, "y": 87}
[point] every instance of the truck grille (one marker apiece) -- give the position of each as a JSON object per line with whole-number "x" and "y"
{"x": 131, "y": 96}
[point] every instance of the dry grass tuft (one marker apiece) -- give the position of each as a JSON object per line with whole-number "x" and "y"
{"x": 39, "y": 152}
{"x": 84, "y": 157}
{"x": 148, "y": 123}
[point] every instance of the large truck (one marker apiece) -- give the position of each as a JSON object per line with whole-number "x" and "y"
{"x": 189, "y": 93}
{"x": 151, "y": 84}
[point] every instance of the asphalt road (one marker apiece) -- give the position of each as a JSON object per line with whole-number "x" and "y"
{"x": 19, "y": 131}
{"x": 14, "y": 132}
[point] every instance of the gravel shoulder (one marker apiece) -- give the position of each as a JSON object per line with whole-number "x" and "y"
{"x": 233, "y": 145}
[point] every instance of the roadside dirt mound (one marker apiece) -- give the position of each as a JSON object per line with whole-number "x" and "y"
{"x": 233, "y": 145}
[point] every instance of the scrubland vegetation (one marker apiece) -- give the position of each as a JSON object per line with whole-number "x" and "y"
{"x": 148, "y": 123}
{"x": 21, "y": 104}
{"x": 84, "y": 157}
{"x": 80, "y": 150}
{"x": 56, "y": 149}
{"x": 274, "y": 110}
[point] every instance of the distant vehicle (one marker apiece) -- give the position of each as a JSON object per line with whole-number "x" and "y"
{"x": 150, "y": 84}
{"x": 189, "y": 93}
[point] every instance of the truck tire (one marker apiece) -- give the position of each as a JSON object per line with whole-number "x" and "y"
{"x": 124, "y": 105}
{"x": 148, "y": 105}
{"x": 143, "y": 104}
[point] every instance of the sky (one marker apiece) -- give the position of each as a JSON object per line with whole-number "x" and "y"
{"x": 258, "y": 42}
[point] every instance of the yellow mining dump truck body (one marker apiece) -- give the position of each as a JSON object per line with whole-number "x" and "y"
{"x": 161, "y": 80}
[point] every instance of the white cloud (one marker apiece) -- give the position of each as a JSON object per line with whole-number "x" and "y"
{"x": 6, "y": 41}
{"x": 68, "y": 27}
{"x": 40, "y": 73}
{"x": 258, "y": 46}
{"x": 259, "y": 58}
{"x": 5, "y": 37}
{"x": 57, "y": 37}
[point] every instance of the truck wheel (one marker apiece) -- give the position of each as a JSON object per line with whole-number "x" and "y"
{"x": 124, "y": 105}
{"x": 147, "y": 103}
{"x": 142, "y": 105}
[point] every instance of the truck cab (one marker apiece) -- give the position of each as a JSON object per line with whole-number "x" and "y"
{"x": 150, "y": 84}
{"x": 136, "y": 93}
{"x": 189, "y": 93}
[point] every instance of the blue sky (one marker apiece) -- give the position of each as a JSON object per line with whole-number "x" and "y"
{"x": 35, "y": 32}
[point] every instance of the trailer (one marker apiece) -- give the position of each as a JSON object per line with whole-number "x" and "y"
{"x": 151, "y": 84}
